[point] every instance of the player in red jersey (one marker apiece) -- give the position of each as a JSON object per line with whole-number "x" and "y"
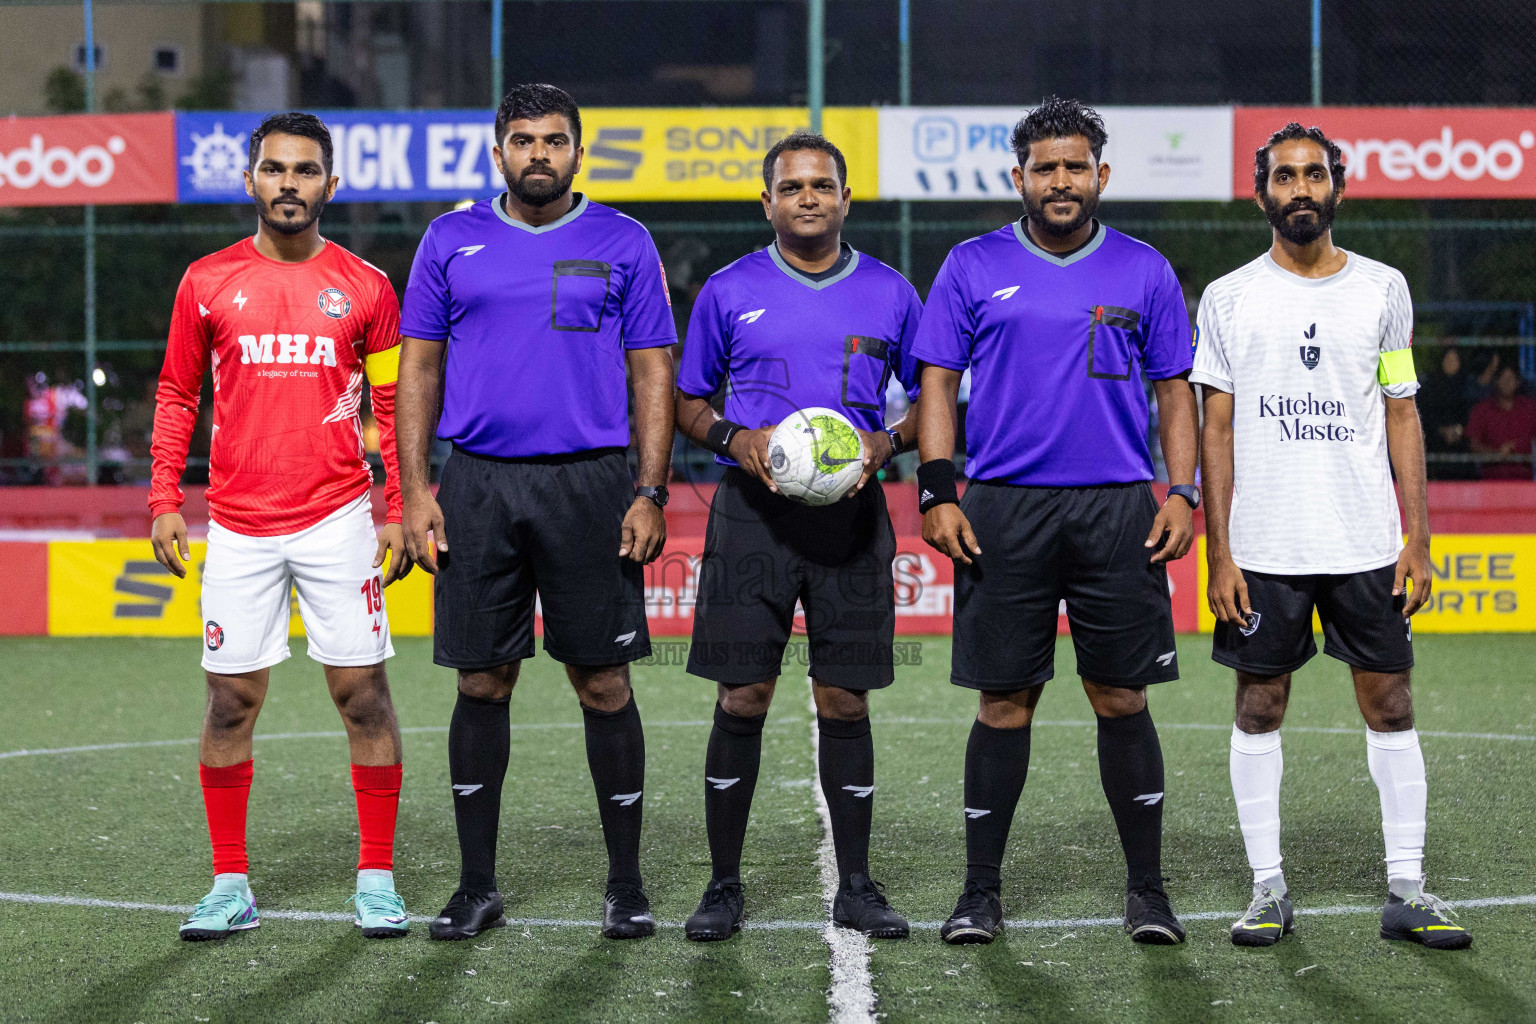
{"x": 291, "y": 324}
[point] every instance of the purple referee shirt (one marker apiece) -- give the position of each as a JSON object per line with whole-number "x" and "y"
{"x": 537, "y": 321}
{"x": 1056, "y": 347}
{"x": 786, "y": 341}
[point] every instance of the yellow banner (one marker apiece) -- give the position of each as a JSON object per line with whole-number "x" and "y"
{"x": 116, "y": 588}
{"x": 1481, "y": 583}
{"x": 695, "y": 153}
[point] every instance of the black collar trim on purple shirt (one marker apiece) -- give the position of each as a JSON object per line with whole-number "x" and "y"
{"x": 1082, "y": 252}
{"x": 577, "y": 209}
{"x": 848, "y": 262}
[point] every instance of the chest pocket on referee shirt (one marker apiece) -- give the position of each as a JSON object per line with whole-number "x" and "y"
{"x": 1109, "y": 342}
{"x": 866, "y": 361}
{"x": 580, "y": 291}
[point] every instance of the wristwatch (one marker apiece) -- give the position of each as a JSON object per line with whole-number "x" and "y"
{"x": 895, "y": 436}
{"x": 656, "y": 494}
{"x": 1188, "y": 492}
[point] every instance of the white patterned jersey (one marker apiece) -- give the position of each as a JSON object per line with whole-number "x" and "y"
{"x": 1309, "y": 364}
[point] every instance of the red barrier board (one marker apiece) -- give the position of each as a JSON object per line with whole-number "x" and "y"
{"x": 24, "y": 598}
{"x": 76, "y": 159}
{"x": 1408, "y": 152}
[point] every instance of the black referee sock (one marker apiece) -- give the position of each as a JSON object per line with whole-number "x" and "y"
{"x": 479, "y": 743}
{"x": 616, "y": 756}
{"x": 996, "y": 764}
{"x": 847, "y": 765}
{"x": 1131, "y": 769}
{"x": 730, "y": 777}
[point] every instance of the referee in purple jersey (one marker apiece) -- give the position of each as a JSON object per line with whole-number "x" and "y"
{"x": 806, "y": 322}
{"x": 543, "y": 300}
{"x": 1058, "y": 318}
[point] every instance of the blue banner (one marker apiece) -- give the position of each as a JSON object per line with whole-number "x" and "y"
{"x": 380, "y": 155}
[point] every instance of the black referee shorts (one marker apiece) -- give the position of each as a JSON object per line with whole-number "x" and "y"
{"x": 1362, "y": 621}
{"x": 762, "y": 553}
{"x": 548, "y": 526}
{"x": 1043, "y": 545}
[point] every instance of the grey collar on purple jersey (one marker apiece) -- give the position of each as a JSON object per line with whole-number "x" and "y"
{"x": 499, "y": 205}
{"x": 1088, "y": 249}
{"x": 811, "y": 283}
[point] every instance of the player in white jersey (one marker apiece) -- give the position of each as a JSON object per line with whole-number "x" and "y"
{"x": 1304, "y": 361}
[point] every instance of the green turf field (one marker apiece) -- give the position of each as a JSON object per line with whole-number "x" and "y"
{"x": 125, "y": 824}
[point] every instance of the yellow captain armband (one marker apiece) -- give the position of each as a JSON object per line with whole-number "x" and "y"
{"x": 384, "y": 367}
{"x": 1395, "y": 367}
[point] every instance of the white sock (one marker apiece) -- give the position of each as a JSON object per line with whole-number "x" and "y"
{"x": 1397, "y": 765}
{"x": 232, "y": 882}
{"x": 374, "y": 878}
{"x": 1256, "y": 766}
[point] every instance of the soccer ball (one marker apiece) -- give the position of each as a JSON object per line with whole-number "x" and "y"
{"x": 815, "y": 456}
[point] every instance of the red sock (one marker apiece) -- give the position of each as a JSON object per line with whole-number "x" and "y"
{"x": 225, "y": 792}
{"x": 378, "y": 800}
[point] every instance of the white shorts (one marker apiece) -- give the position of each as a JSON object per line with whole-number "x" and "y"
{"x": 246, "y": 582}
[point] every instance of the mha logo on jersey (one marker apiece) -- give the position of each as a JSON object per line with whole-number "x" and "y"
{"x": 1289, "y": 410}
{"x": 290, "y": 348}
{"x": 213, "y": 635}
{"x": 333, "y": 302}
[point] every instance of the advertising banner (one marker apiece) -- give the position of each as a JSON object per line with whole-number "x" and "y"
{"x": 105, "y": 159}
{"x": 1483, "y": 583}
{"x": 694, "y": 153}
{"x": 1408, "y": 152}
{"x": 1155, "y": 153}
{"x": 636, "y": 154}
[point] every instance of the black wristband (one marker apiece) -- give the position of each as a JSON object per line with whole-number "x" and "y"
{"x": 936, "y": 484}
{"x": 718, "y": 440}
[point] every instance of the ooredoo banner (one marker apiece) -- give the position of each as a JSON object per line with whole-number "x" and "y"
{"x": 1155, "y": 153}
{"x": 1408, "y": 152}
{"x": 104, "y": 159}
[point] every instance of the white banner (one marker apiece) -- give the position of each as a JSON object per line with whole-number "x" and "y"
{"x": 1156, "y": 153}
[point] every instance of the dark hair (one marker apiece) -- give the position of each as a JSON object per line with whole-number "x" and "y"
{"x": 803, "y": 139}
{"x": 295, "y": 122}
{"x": 1056, "y": 118}
{"x": 529, "y": 102}
{"x": 1290, "y": 132}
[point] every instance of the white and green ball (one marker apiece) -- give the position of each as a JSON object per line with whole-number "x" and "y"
{"x": 815, "y": 456}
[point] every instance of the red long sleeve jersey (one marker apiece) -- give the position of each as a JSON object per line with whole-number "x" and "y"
{"x": 290, "y": 345}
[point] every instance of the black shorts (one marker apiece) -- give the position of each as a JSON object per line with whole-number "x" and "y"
{"x": 762, "y": 553}
{"x": 1043, "y": 545}
{"x": 1363, "y": 623}
{"x": 549, "y": 524}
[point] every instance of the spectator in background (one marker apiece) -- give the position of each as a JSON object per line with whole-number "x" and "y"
{"x": 1445, "y": 399}
{"x": 1504, "y": 425}
{"x": 1446, "y": 395}
{"x": 48, "y": 407}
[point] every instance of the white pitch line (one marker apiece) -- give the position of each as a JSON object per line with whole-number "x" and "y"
{"x": 851, "y": 999}
{"x": 758, "y": 926}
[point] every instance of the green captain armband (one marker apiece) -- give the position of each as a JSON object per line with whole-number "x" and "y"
{"x": 1396, "y": 367}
